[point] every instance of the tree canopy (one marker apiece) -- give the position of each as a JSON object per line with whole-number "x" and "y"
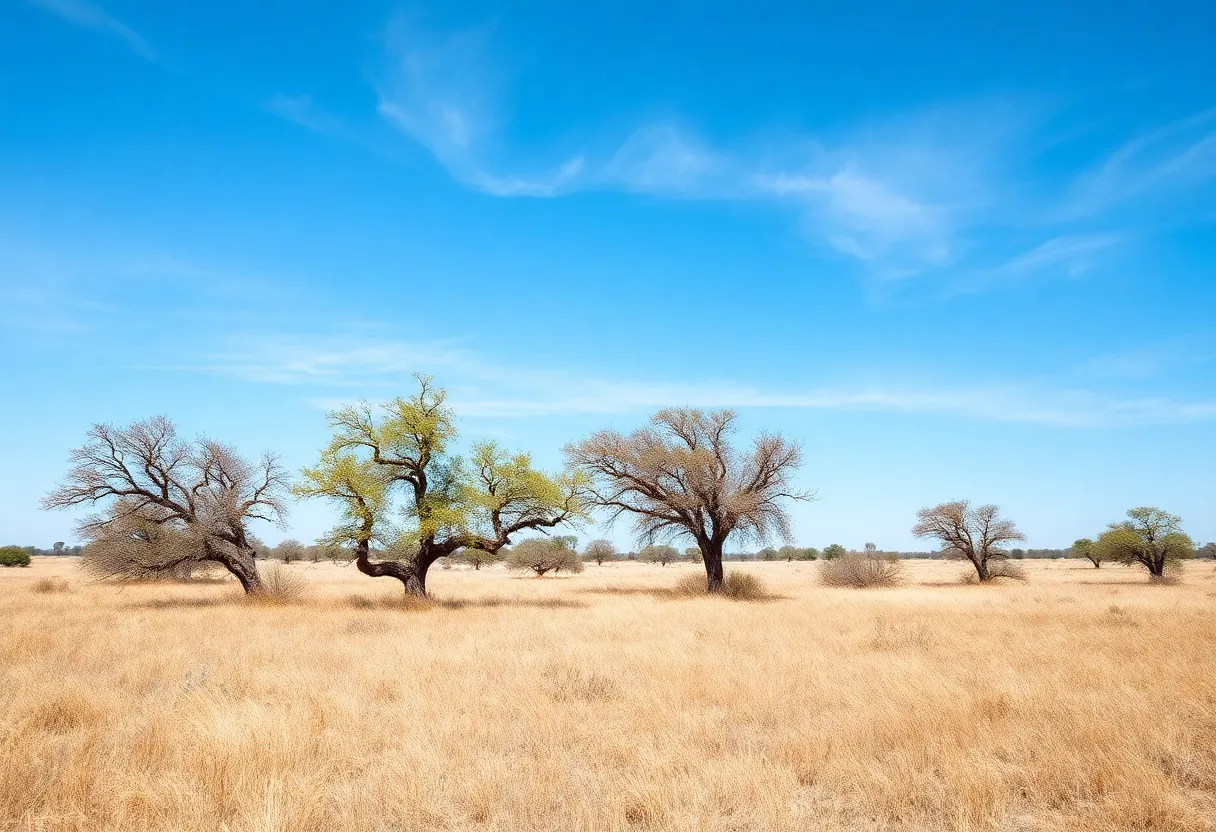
{"x": 396, "y": 460}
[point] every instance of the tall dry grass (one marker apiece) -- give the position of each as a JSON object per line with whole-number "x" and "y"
{"x": 1083, "y": 700}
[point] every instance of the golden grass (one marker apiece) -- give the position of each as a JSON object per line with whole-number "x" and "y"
{"x": 1082, "y": 700}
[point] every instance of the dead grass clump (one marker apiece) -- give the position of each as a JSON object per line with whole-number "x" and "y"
{"x": 862, "y": 571}
{"x": 568, "y": 683}
{"x": 50, "y": 585}
{"x": 738, "y": 586}
{"x": 280, "y": 586}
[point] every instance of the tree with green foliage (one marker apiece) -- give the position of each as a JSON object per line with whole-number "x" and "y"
{"x": 662, "y": 555}
{"x": 543, "y": 555}
{"x": 833, "y": 551}
{"x": 478, "y": 558}
{"x": 1085, "y": 548}
{"x": 378, "y": 462}
{"x": 14, "y": 556}
{"x": 692, "y": 554}
{"x": 599, "y": 552}
{"x": 1150, "y": 538}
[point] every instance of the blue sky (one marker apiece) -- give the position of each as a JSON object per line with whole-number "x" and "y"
{"x": 958, "y": 250}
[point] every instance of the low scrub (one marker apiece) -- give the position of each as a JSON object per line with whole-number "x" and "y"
{"x": 50, "y": 585}
{"x": 740, "y": 586}
{"x": 280, "y": 586}
{"x": 862, "y": 570}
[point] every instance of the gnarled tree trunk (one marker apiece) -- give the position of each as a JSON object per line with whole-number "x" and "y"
{"x": 243, "y": 566}
{"x": 412, "y": 573}
{"x": 711, "y": 553}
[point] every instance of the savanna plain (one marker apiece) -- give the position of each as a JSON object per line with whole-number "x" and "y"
{"x": 1081, "y": 699}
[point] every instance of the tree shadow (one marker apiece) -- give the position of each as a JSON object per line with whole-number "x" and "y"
{"x": 410, "y": 603}
{"x": 669, "y": 593}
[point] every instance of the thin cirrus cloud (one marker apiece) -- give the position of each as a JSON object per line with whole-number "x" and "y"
{"x": 904, "y": 197}
{"x": 90, "y": 16}
{"x": 376, "y": 367}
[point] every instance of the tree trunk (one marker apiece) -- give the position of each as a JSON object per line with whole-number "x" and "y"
{"x": 243, "y": 566}
{"x": 1156, "y": 567}
{"x": 711, "y": 553}
{"x": 411, "y": 573}
{"x": 981, "y": 568}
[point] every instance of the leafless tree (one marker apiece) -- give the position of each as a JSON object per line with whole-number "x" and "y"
{"x": 975, "y": 535}
{"x": 600, "y": 551}
{"x": 682, "y": 477}
{"x": 168, "y": 503}
{"x": 289, "y": 550}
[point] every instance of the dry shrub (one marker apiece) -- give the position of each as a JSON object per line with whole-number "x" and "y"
{"x": 280, "y": 586}
{"x": 862, "y": 570}
{"x": 739, "y": 586}
{"x": 1007, "y": 569}
{"x": 50, "y": 585}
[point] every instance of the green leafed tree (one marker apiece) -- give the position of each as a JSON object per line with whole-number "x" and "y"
{"x": 396, "y": 461}
{"x": 833, "y": 550}
{"x": 1085, "y": 548}
{"x": 1150, "y": 538}
{"x": 478, "y": 558}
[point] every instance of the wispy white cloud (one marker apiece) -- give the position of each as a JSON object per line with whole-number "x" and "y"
{"x": 90, "y": 16}
{"x": 482, "y": 388}
{"x": 302, "y": 110}
{"x": 1070, "y": 255}
{"x": 1175, "y": 157}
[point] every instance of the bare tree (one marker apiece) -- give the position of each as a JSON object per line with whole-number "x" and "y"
{"x": 1149, "y": 537}
{"x": 682, "y": 477}
{"x": 289, "y": 550}
{"x": 167, "y": 503}
{"x": 975, "y": 535}
{"x": 662, "y": 555}
{"x": 600, "y": 551}
{"x": 449, "y": 503}
{"x": 542, "y": 555}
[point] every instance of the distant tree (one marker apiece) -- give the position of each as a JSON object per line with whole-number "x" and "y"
{"x": 323, "y": 551}
{"x": 402, "y": 453}
{"x": 835, "y": 550}
{"x": 1150, "y": 538}
{"x": 195, "y": 497}
{"x": 692, "y": 554}
{"x": 1017, "y": 554}
{"x": 870, "y": 548}
{"x": 681, "y": 476}
{"x": 478, "y": 558}
{"x": 600, "y": 551}
{"x": 809, "y": 553}
{"x": 14, "y": 556}
{"x": 570, "y": 540}
{"x": 289, "y": 550}
{"x": 789, "y": 553}
{"x": 767, "y": 553}
{"x": 975, "y": 535}
{"x": 542, "y": 555}
{"x": 662, "y": 555}
{"x": 57, "y": 548}
{"x": 1085, "y": 548}
{"x": 1207, "y": 550}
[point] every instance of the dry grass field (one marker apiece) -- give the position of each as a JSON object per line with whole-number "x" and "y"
{"x": 1082, "y": 700}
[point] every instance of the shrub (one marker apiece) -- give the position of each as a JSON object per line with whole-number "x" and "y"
{"x": 741, "y": 586}
{"x": 280, "y": 586}
{"x": 14, "y": 556}
{"x": 833, "y": 551}
{"x": 47, "y": 585}
{"x": 862, "y": 570}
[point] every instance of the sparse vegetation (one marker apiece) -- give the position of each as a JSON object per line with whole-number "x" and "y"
{"x": 862, "y": 570}
{"x": 662, "y": 555}
{"x": 542, "y": 555}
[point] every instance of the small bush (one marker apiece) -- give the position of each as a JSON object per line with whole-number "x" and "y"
{"x": 862, "y": 570}
{"x": 14, "y": 556}
{"x": 280, "y": 586}
{"x": 740, "y": 586}
{"x": 1005, "y": 569}
{"x": 48, "y": 585}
